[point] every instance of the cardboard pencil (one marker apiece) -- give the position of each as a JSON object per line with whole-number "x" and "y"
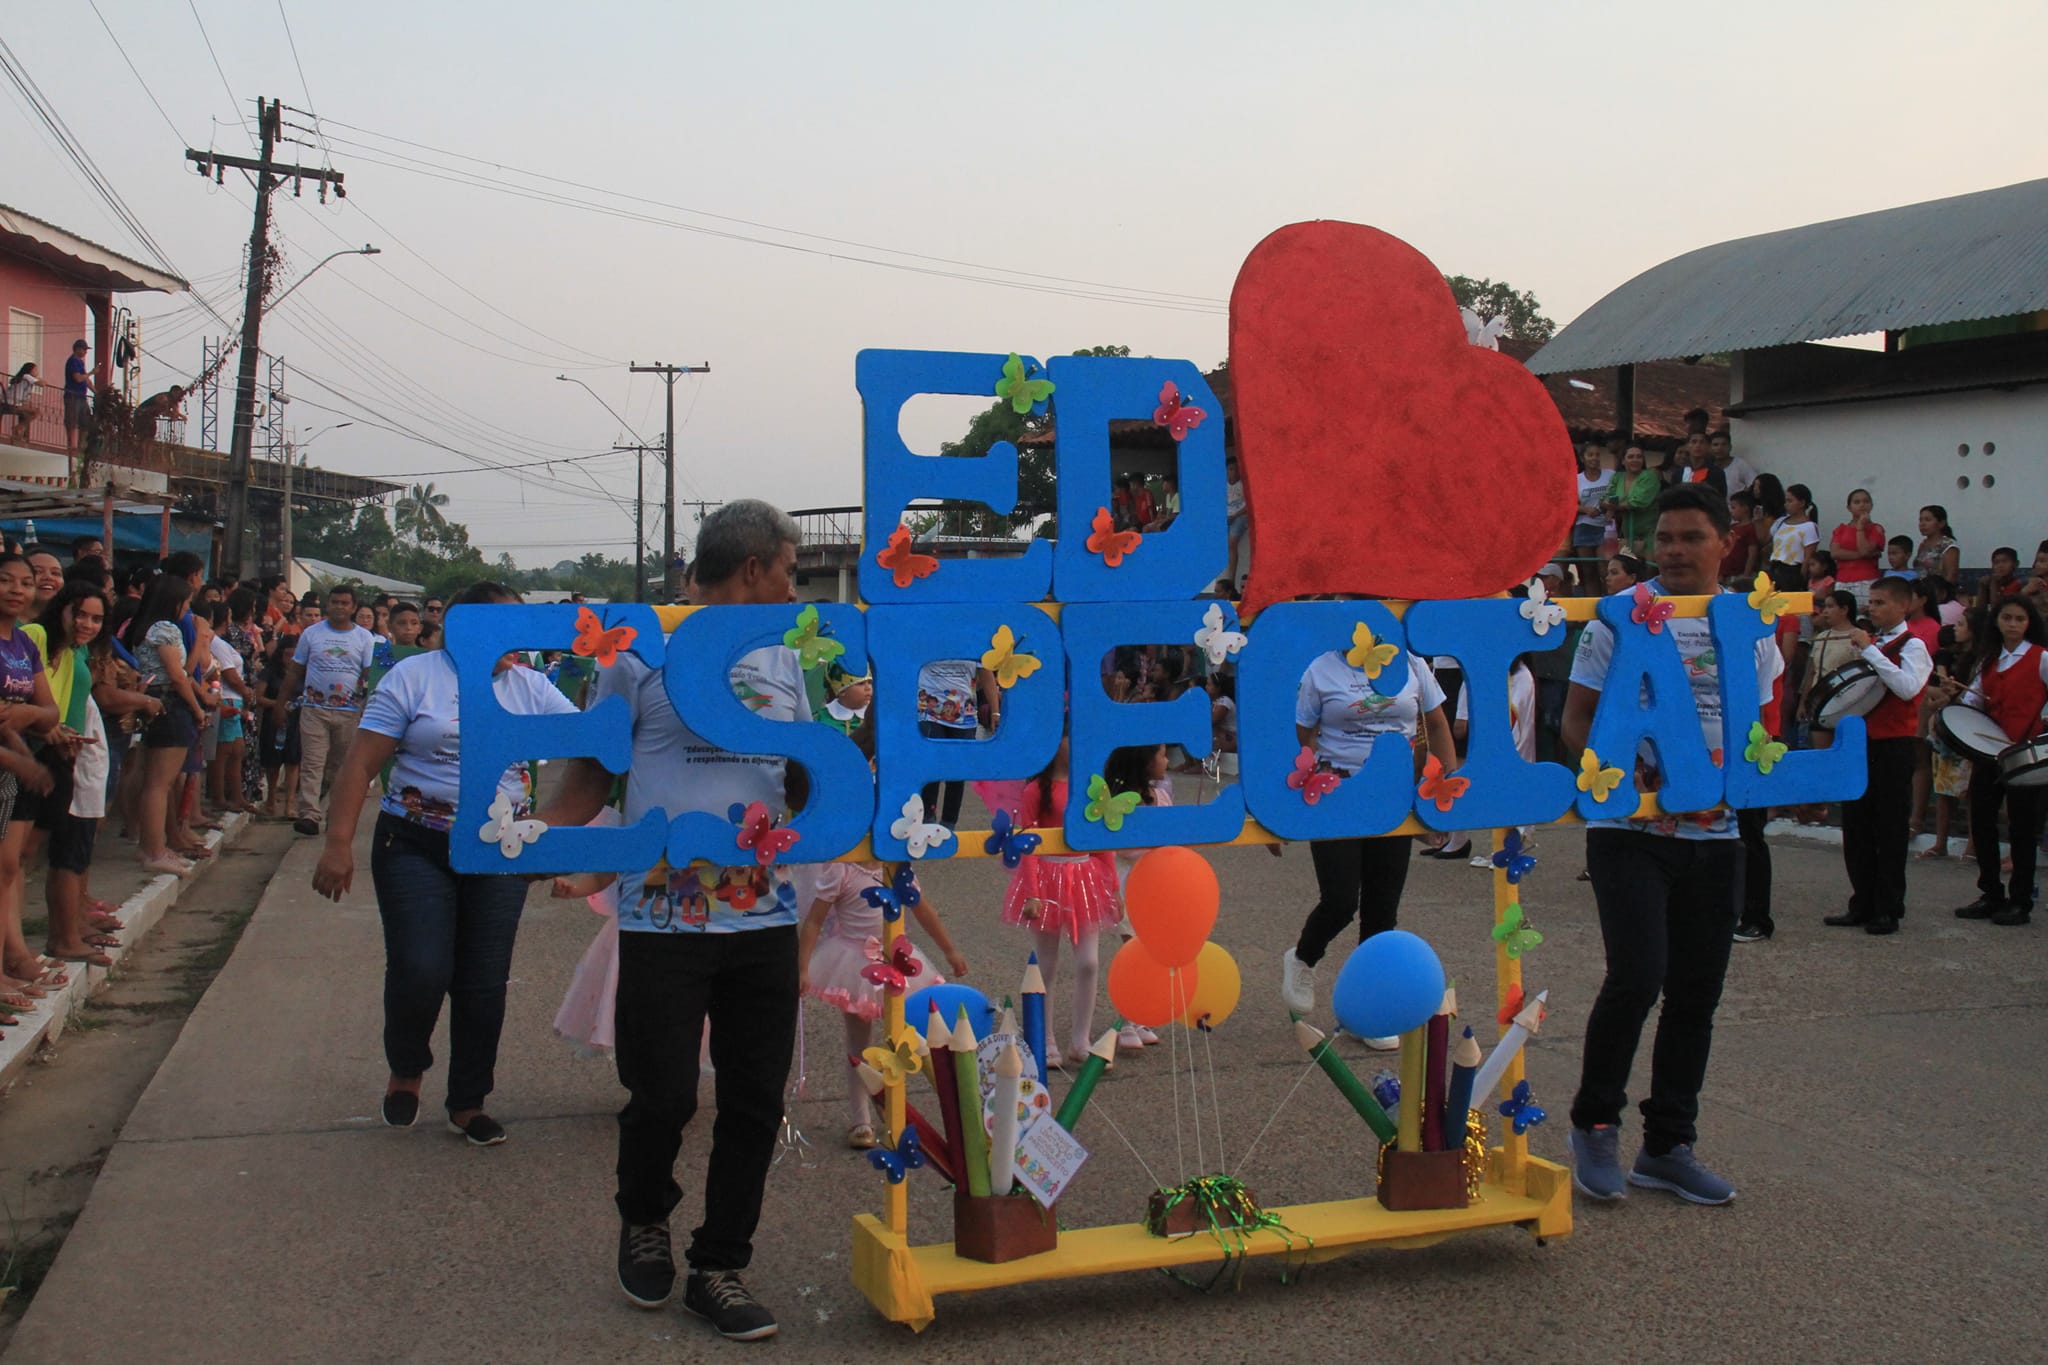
{"x": 1002, "y": 1136}
{"x": 946, "y": 1086}
{"x": 1409, "y": 1130}
{"x": 1033, "y": 995}
{"x": 1436, "y": 1046}
{"x": 1464, "y": 1066}
{"x": 1348, "y": 1084}
{"x": 973, "y": 1141}
{"x": 1509, "y": 1047}
{"x": 1084, "y": 1081}
{"x": 936, "y": 1153}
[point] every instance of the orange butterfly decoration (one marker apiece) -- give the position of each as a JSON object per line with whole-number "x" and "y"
{"x": 593, "y": 641}
{"x": 1109, "y": 542}
{"x": 906, "y": 564}
{"x": 1438, "y": 787}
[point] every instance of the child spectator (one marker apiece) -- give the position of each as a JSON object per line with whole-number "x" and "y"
{"x": 1898, "y": 560}
{"x": 1857, "y": 544}
{"x": 1739, "y": 565}
{"x": 2004, "y": 580}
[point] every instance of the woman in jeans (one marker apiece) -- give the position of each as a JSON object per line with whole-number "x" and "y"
{"x": 446, "y": 934}
{"x": 154, "y": 637}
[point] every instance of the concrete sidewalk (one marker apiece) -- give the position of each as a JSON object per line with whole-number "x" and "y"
{"x": 1872, "y": 1099}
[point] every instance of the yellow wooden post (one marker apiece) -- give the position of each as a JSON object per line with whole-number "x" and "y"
{"x": 1507, "y": 973}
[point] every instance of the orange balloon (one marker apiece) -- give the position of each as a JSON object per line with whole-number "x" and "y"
{"x": 1217, "y": 986}
{"x": 1171, "y": 901}
{"x": 1144, "y": 991}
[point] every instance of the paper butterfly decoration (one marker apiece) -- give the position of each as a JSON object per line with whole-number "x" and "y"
{"x": 899, "y": 1059}
{"x": 1539, "y": 611}
{"x": 1648, "y": 611}
{"x": 1484, "y": 333}
{"x": 1762, "y": 749}
{"x": 508, "y": 833}
{"x": 892, "y": 971}
{"x": 1212, "y": 639}
{"x": 1512, "y": 934}
{"x": 1366, "y": 654}
{"x": 1106, "y": 810}
{"x": 758, "y": 833}
{"x": 1520, "y": 1109}
{"x": 901, "y": 894}
{"x": 1768, "y": 601}
{"x": 1510, "y": 858}
{"x": 895, "y": 1162}
{"x": 812, "y": 649}
{"x": 1312, "y": 785}
{"x": 1511, "y": 1006}
{"x": 1022, "y": 394}
{"x": 1177, "y": 417}
{"x": 1110, "y": 543}
{"x": 1596, "y": 779}
{"x": 919, "y": 835}
{"x": 902, "y": 562}
{"x": 1002, "y": 659}
{"x": 1006, "y": 840}
{"x": 1439, "y": 786}
{"x": 593, "y": 641}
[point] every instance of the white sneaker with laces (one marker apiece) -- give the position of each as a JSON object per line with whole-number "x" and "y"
{"x": 1382, "y": 1044}
{"x": 1297, "y": 984}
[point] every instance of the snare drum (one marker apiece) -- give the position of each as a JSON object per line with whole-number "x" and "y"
{"x": 2025, "y": 764}
{"x": 1854, "y": 689}
{"x": 1971, "y": 733}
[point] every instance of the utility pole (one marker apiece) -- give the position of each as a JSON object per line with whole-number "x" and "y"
{"x": 668, "y": 375}
{"x": 639, "y": 519}
{"x": 268, "y": 175}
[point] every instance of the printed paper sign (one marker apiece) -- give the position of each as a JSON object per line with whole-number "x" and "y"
{"x": 1048, "y": 1158}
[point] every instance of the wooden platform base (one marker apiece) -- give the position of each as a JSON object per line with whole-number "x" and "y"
{"x": 901, "y": 1280}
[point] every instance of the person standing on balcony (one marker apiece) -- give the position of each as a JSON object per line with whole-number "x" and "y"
{"x": 77, "y": 397}
{"x": 21, "y": 399}
{"x": 166, "y": 406}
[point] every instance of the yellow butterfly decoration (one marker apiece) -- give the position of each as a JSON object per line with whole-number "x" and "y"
{"x": 1003, "y": 660}
{"x": 1596, "y": 779}
{"x": 1368, "y": 655}
{"x": 903, "y": 1057}
{"x": 1767, "y": 600}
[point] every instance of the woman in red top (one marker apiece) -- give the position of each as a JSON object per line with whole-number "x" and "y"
{"x": 2012, "y": 686}
{"x": 1858, "y": 546}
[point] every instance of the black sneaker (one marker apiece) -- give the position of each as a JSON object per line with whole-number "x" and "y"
{"x": 482, "y": 1130}
{"x": 1751, "y": 933}
{"x": 306, "y": 827}
{"x": 401, "y": 1107}
{"x": 647, "y": 1267}
{"x": 721, "y": 1299}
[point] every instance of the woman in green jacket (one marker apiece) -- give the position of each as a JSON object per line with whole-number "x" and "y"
{"x": 1633, "y": 497}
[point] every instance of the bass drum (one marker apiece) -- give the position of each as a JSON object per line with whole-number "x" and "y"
{"x": 2025, "y": 764}
{"x": 1971, "y": 733}
{"x": 1854, "y": 689}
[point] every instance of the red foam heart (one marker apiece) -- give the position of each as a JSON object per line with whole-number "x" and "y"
{"x": 1382, "y": 452}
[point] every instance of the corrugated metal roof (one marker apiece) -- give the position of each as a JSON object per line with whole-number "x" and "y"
{"x": 1980, "y": 255}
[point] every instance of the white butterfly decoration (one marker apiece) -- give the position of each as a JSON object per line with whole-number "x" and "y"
{"x": 1219, "y": 643}
{"x": 1539, "y": 611}
{"x": 509, "y": 834}
{"x": 1483, "y": 332}
{"x": 917, "y": 835}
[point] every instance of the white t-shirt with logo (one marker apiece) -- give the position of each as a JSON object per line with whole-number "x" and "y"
{"x": 1349, "y": 716}
{"x": 335, "y": 662}
{"x": 676, "y": 770}
{"x": 945, "y": 694}
{"x": 1591, "y": 492}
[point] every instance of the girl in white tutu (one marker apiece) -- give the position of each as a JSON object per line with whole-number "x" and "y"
{"x": 840, "y": 936}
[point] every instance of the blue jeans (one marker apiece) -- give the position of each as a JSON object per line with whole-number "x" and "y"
{"x": 449, "y": 935}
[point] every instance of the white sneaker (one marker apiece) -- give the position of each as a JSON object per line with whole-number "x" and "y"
{"x": 1481, "y": 860}
{"x": 1382, "y": 1044}
{"x": 1127, "y": 1039}
{"x": 1147, "y": 1036}
{"x": 1297, "y": 984}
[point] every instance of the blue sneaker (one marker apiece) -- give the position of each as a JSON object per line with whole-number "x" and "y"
{"x": 1596, "y": 1162}
{"x": 1680, "y": 1172}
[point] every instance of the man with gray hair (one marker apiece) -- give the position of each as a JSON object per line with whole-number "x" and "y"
{"x": 702, "y": 945}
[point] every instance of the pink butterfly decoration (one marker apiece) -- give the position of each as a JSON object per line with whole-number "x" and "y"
{"x": 891, "y": 972}
{"x": 1312, "y": 785}
{"x": 759, "y": 834}
{"x": 1648, "y": 611}
{"x": 1177, "y": 417}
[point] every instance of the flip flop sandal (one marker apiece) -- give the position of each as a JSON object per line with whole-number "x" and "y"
{"x": 94, "y": 959}
{"x": 15, "y": 1000}
{"x": 99, "y": 941}
{"x": 53, "y": 974}
{"x": 110, "y": 924}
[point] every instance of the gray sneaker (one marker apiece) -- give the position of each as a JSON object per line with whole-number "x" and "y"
{"x": 1596, "y": 1162}
{"x": 1680, "y": 1172}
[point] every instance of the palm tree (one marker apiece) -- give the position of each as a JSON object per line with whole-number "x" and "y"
{"x": 418, "y": 512}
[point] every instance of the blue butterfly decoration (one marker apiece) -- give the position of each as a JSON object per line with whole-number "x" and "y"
{"x": 896, "y": 1162}
{"x": 1005, "y": 839}
{"x": 1520, "y": 1110}
{"x": 901, "y": 894}
{"x": 1510, "y": 857}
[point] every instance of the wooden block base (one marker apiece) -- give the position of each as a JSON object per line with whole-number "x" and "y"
{"x": 993, "y": 1229}
{"x": 1422, "y": 1180}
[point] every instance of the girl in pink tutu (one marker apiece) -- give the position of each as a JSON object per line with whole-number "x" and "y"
{"x": 842, "y": 934}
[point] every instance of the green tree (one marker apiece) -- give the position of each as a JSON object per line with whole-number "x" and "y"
{"x": 418, "y": 513}
{"x": 1495, "y": 298}
{"x": 340, "y": 533}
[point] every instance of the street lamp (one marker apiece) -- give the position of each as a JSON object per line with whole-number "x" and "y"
{"x": 639, "y": 489}
{"x": 365, "y": 250}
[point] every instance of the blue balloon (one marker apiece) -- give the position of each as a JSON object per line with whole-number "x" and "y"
{"x": 917, "y": 1007}
{"x": 1391, "y": 983}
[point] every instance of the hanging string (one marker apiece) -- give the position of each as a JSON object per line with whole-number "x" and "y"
{"x": 1096, "y": 1106}
{"x": 1244, "y": 1160}
{"x": 1180, "y": 1010}
{"x": 1215, "y": 1094}
{"x": 1180, "y": 1160}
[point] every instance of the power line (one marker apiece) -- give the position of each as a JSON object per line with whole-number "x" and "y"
{"x": 233, "y": 103}
{"x": 304, "y": 88}
{"x": 136, "y": 72}
{"x": 471, "y": 469}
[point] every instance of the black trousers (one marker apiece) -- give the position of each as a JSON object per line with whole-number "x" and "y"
{"x": 1756, "y": 869}
{"x": 949, "y": 816}
{"x": 1359, "y": 878}
{"x": 1667, "y": 913}
{"x": 670, "y": 985}
{"x": 2023, "y": 806}
{"x": 1875, "y": 832}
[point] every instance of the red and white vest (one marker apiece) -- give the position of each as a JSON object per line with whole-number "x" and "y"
{"x": 2015, "y": 697}
{"x": 1896, "y": 717}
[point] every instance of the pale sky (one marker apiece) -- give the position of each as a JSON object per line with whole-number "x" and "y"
{"x": 1147, "y": 147}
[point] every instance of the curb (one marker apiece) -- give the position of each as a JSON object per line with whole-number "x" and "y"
{"x": 140, "y": 912}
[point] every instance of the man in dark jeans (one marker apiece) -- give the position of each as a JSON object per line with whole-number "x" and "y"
{"x": 1668, "y": 892}
{"x": 688, "y": 958}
